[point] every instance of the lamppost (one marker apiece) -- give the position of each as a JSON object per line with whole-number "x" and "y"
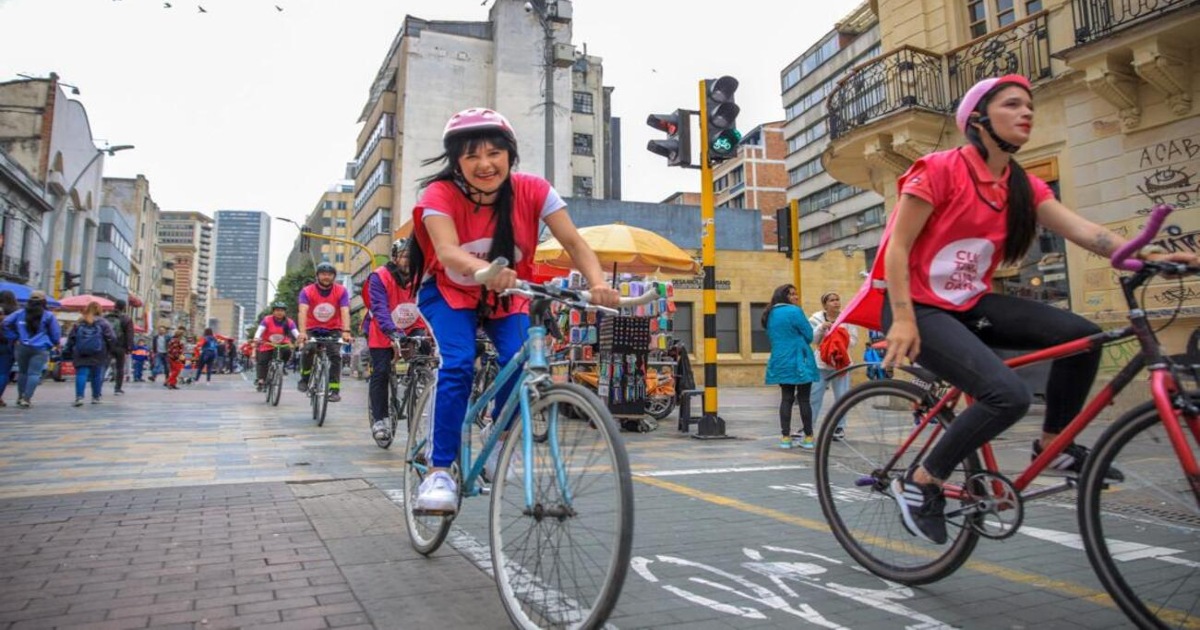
{"x": 544, "y": 10}
{"x": 59, "y": 206}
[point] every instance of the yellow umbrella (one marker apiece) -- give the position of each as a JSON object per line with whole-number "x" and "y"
{"x": 625, "y": 248}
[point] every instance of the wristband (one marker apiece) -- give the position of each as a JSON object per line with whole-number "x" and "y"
{"x": 1148, "y": 250}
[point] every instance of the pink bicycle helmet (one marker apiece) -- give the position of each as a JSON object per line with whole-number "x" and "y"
{"x": 477, "y": 119}
{"x": 970, "y": 100}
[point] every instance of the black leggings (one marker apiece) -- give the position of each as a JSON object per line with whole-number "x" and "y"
{"x": 957, "y": 347}
{"x": 793, "y": 394}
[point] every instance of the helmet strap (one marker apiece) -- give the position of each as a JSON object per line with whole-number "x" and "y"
{"x": 1004, "y": 145}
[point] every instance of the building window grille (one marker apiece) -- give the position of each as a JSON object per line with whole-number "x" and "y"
{"x": 583, "y": 144}
{"x": 583, "y": 103}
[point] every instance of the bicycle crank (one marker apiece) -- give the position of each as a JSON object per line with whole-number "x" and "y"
{"x": 991, "y": 505}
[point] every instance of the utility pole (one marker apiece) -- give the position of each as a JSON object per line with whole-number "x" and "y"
{"x": 541, "y": 9}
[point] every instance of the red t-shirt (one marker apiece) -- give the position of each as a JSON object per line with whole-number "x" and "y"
{"x": 275, "y": 332}
{"x": 325, "y": 311}
{"x": 534, "y": 199}
{"x": 953, "y": 258}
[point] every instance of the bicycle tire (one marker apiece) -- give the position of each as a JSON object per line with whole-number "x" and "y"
{"x": 875, "y": 536}
{"x": 267, "y": 389}
{"x": 425, "y": 532}
{"x": 659, "y": 407}
{"x": 483, "y": 379}
{"x": 534, "y": 573}
{"x": 276, "y": 386}
{"x": 320, "y": 392}
{"x": 1143, "y": 541}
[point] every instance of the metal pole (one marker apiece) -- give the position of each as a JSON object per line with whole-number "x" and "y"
{"x": 711, "y": 425}
{"x": 794, "y": 209}
{"x": 48, "y": 254}
{"x": 548, "y": 46}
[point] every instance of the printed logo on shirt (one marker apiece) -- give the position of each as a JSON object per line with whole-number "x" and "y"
{"x": 479, "y": 249}
{"x": 405, "y": 315}
{"x": 956, "y": 273}
{"x": 276, "y": 338}
{"x": 324, "y": 311}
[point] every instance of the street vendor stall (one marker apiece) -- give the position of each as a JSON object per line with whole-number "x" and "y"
{"x": 622, "y": 357}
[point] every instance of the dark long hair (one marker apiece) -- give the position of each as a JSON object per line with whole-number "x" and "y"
{"x": 8, "y": 303}
{"x": 503, "y": 240}
{"x": 1021, "y": 225}
{"x": 34, "y": 310}
{"x": 780, "y": 296}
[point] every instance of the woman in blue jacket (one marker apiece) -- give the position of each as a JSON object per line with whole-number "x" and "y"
{"x": 792, "y": 365}
{"x": 35, "y": 330}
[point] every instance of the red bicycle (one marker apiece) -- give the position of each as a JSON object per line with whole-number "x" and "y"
{"x": 1141, "y": 533}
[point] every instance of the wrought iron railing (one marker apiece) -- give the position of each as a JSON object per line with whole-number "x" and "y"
{"x": 904, "y": 78}
{"x": 1096, "y": 18}
{"x": 1020, "y": 48}
{"x": 14, "y": 269}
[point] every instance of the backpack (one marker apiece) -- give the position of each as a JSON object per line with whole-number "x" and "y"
{"x": 835, "y": 348}
{"x": 118, "y": 331}
{"x": 210, "y": 346}
{"x": 89, "y": 340}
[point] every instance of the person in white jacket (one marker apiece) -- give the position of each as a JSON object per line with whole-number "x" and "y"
{"x": 822, "y": 323}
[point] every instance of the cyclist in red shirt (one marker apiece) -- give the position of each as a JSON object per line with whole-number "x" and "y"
{"x": 391, "y": 305}
{"x": 275, "y": 329}
{"x": 961, "y": 213}
{"x": 477, "y": 209}
{"x": 324, "y": 314}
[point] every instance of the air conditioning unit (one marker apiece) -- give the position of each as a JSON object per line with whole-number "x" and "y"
{"x": 564, "y": 55}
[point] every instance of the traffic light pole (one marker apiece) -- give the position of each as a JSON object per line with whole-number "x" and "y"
{"x": 794, "y": 210}
{"x": 711, "y": 425}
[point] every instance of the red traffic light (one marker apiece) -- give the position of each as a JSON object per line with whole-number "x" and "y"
{"x": 664, "y": 122}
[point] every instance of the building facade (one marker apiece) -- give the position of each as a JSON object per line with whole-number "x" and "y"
{"x": 755, "y": 179}
{"x": 833, "y": 215}
{"x": 243, "y": 252}
{"x": 131, "y": 196}
{"x": 186, "y": 239}
{"x": 227, "y": 317}
{"x": 114, "y": 251}
{"x": 50, "y": 137}
{"x": 23, "y": 203}
{"x": 434, "y": 69}
{"x": 331, "y": 216}
{"x": 1115, "y": 132}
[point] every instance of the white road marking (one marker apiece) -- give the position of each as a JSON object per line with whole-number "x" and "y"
{"x": 1121, "y": 550}
{"x": 717, "y": 471}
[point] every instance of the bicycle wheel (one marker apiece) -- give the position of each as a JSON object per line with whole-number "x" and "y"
{"x": 426, "y": 532}
{"x": 659, "y": 407}
{"x": 268, "y": 382}
{"x": 320, "y": 391}
{"x": 1142, "y": 534}
{"x": 483, "y": 380}
{"x": 854, "y": 492}
{"x": 563, "y": 563}
{"x": 276, "y": 388}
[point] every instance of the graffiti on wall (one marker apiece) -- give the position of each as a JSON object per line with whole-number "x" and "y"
{"x": 1168, "y": 174}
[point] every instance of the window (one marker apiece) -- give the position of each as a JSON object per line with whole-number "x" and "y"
{"x": 583, "y": 103}
{"x": 339, "y": 258}
{"x": 341, "y": 205}
{"x": 327, "y": 205}
{"x": 811, "y": 61}
{"x": 984, "y": 16}
{"x": 379, "y": 223}
{"x": 807, "y": 136}
{"x": 827, "y": 197}
{"x": 682, "y": 324}
{"x": 583, "y": 187}
{"x": 806, "y": 170}
{"x": 727, "y": 328}
{"x": 381, "y": 176}
{"x": 583, "y": 144}
{"x": 736, "y": 202}
{"x": 759, "y": 342}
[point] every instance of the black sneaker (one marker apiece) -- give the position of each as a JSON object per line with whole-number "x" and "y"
{"x": 1071, "y": 461}
{"x": 302, "y": 386}
{"x": 839, "y": 434}
{"x": 922, "y": 508}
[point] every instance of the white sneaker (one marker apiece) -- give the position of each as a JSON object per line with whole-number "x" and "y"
{"x": 493, "y": 459}
{"x": 438, "y": 493}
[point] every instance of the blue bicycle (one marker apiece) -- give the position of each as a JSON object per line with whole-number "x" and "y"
{"x": 561, "y": 522}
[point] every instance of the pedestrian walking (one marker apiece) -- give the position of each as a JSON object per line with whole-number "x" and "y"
{"x": 834, "y": 347}
{"x": 792, "y": 365}
{"x": 8, "y": 305}
{"x": 89, "y": 345}
{"x": 34, "y": 330}
{"x": 122, "y": 327}
{"x": 206, "y": 353}
{"x": 175, "y": 358}
{"x": 158, "y": 354}
{"x": 140, "y": 355}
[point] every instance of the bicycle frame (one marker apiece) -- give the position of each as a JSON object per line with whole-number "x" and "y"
{"x": 1164, "y": 388}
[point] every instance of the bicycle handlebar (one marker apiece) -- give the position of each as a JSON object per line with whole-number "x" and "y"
{"x": 1123, "y": 259}
{"x": 583, "y": 297}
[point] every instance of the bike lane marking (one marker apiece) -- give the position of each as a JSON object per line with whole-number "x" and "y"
{"x": 987, "y": 568}
{"x": 715, "y": 471}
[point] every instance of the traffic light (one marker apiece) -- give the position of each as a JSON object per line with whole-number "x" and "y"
{"x": 723, "y": 136}
{"x": 677, "y": 148}
{"x": 783, "y": 230}
{"x": 69, "y": 280}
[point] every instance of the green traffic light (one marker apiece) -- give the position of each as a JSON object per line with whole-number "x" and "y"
{"x": 726, "y": 142}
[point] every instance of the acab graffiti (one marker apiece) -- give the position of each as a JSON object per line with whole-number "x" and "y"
{"x": 1171, "y": 178}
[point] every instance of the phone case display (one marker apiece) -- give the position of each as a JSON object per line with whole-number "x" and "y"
{"x": 624, "y": 345}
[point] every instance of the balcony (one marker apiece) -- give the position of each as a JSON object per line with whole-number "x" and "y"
{"x": 1095, "y": 19}
{"x": 14, "y": 269}
{"x": 895, "y": 108}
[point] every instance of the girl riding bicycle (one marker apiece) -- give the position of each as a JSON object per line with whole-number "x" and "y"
{"x": 474, "y": 210}
{"x": 961, "y": 213}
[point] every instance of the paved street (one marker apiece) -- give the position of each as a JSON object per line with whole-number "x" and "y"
{"x": 205, "y": 508}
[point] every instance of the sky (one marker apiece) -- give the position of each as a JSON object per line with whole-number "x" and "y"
{"x": 249, "y": 107}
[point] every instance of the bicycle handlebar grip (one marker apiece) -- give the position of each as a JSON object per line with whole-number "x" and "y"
{"x": 483, "y": 275}
{"x": 1123, "y": 258}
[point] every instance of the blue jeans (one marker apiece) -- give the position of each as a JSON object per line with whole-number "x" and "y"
{"x": 139, "y": 367}
{"x": 159, "y": 365}
{"x": 840, "y": 385}
{"x": 6, "y": 365}
{"x": 454, "y": 332}
{"x": 85, "y": 374}
{"x": 30, "y": 363}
